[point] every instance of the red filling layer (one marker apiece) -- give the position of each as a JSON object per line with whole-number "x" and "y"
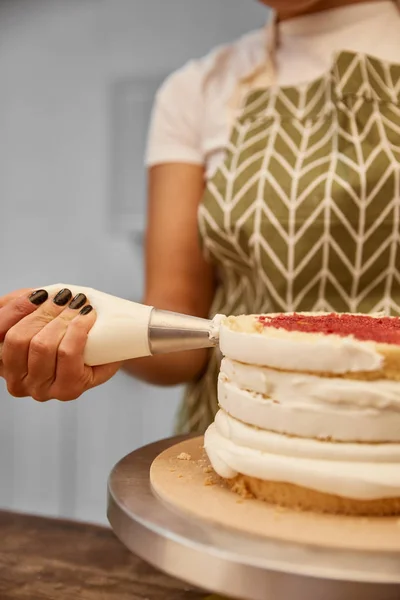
{"x": 385, "y": 330}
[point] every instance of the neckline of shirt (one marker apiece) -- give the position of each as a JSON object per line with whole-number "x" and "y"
{"x": 334, "y": 20}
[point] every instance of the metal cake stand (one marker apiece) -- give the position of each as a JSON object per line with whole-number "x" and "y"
{"x": 231, "y": 563}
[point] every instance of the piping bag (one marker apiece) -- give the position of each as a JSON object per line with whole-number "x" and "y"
{"x": 125, "y": 330}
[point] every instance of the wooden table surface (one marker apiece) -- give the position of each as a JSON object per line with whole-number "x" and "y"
{"x": 50, "y": 559}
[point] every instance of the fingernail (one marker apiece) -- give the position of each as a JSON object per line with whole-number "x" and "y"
{"x": 63, "y": 297}
{"x": 78, "y": 301}
{"x": 38, "y": 297}
{"x": 86, "y": 310}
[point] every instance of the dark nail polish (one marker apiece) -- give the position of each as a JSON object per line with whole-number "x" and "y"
{"x": 38, "y": 297}
{"x": 63, "y": 297}
{"x": 78, "y": 301}
{"x": 86, "y": 310}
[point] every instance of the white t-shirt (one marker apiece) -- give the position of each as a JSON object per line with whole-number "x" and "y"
{"x": 192, "y": 117}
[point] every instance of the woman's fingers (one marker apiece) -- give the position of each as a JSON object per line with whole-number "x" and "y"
{"x": 22, "y": 339}
{"x": 46, "y": 349}
{"x": 16, "y": 306}
{"x": 44, "y": 344}
{"x": 14, "y": 295}
{"x": 13, "y": 308}
{"x": 73, "y": 377}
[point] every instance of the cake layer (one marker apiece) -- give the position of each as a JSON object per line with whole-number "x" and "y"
{"x": 246, "y": 340}
{"x": 382, "y": 330}
{"x": 286, "y": 386}
{"x": 351, "y": 479}
{"x": 298, "y": 497}
{"x": 309, "y": 414}
{"x": 298, "y": 346}
{"x": 248, "y": 436}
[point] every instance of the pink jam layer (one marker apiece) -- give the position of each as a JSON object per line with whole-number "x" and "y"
{"x": 385, "y": 330}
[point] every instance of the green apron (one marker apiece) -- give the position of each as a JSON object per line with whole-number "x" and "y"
{"x": 304, "y": 212}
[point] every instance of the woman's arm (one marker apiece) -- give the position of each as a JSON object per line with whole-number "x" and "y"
{"x": 177, "y": 276}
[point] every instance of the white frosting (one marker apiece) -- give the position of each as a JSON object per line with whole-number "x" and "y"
{"x": 267, "y": 441}
{"x": 352, "y": 478}
{"x": 284, "y": 386}
{"x": 121, "y": 330}
{"x": 308, "y": 417}
{"x": 294, "y": 351}
{"x": 311, "y": 406}
{"x": 265, "y": 392}
{"x": 215, "y": 326}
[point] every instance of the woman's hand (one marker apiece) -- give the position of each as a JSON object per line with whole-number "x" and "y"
{"x": 44, "y": 340}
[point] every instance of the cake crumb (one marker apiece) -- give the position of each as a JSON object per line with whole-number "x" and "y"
{"x": 173, "y": 470}
{"x": 184, "y": 456}
{"x": 209, "y": 481}
{"x": 259, "y": 327}
{"x": 208, "y": 469}
{"x": 241, "y": 490}
{"x": 180, "y": 476}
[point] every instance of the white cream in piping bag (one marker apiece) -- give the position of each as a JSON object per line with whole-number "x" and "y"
{"x": 121, "y": 330}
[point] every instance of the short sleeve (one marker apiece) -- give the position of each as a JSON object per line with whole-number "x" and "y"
{"x": 175, "y": 127}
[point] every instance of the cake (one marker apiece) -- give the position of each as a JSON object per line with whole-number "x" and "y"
{"x": 310, "y": 411}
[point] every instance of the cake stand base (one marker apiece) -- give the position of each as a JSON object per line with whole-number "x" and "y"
{"x": 166, "y": 507}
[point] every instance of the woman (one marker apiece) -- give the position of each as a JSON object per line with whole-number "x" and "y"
{"x": 285, "y": 148}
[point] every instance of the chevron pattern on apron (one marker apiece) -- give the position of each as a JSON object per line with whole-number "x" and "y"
{"x": 304, "y": 212}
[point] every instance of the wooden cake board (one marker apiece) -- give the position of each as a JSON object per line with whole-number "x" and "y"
{"x": 182, "y": 477}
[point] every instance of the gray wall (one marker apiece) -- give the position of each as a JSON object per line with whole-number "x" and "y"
{"x": 77, "y": 79}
